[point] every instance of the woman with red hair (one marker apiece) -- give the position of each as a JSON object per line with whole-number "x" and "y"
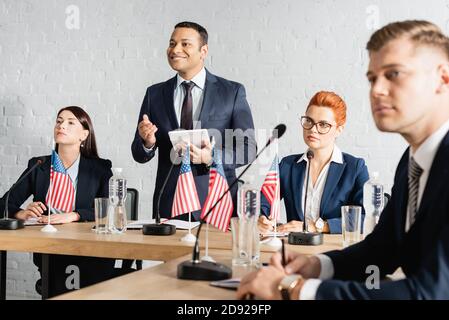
{"x": 336, "y": 178}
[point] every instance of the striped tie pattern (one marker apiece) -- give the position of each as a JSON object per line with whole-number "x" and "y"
{"x": 414, "y": 173}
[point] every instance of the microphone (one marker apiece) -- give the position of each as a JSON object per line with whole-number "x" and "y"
{"x": 278, "y": 132}
{"x": 204, "y": 270}
{"x": 158, "y": 228}
{"x": 12, "y": 224}
{"x": 310, "y": 156}
{"x": 305, "y": 237}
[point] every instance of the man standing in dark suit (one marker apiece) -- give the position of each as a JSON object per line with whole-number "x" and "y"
{"x": 193, "y": 99}
{"x": 409, "y": 77}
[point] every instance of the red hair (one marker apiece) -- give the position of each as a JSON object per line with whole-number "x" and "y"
{"x": 333, "y": 101}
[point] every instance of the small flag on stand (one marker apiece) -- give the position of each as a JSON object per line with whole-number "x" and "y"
{"x": 220, "y": 216}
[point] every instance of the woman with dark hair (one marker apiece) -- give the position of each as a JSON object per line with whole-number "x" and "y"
{"x": 76, "y": 147}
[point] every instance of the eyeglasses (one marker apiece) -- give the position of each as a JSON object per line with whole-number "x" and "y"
{"x": 322, "y": 127}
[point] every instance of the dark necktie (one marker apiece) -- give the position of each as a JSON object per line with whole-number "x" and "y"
{"x": 187, "y": 106}
{"x": 414, "y": 173}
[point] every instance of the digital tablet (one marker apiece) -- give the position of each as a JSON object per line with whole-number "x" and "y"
{"x": 188, "y": 136}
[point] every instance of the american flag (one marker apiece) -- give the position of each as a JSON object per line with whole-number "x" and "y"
{"x": 272, "y": 191}
{"x": 220, "y": 216}
{"x": 186, "y": 197}
{"x": 61, "y": 188}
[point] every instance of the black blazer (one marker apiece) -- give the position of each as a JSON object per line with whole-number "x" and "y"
{"x": 422, "y": 252}
{"x": 93, "y": 182}
{"x": 224, "y": 107}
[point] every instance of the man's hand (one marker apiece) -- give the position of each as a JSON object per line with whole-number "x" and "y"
{"x": 262, "y": 284}
{"x": 264, "y": 224}
{"x": 147, "y": 132}
{"x": 293, "y": 225}
{"x": 203, "y": 155}
{"x": 61, "y": 218}
{"x": 33, "y": 210}
{"x": 307, "y": 266}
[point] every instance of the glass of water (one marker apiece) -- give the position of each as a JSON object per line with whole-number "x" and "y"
{"x": 351, "y": 224}
{"x": 101, "y": 215}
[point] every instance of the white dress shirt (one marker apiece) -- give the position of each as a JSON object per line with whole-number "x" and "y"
{"x": 197, "y": 95}
{"x": 424, "y": 156}
{"x": 315, "y": 192}
{"x": 197, "y": 98}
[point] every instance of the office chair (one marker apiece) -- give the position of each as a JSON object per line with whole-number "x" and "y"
{"x": 132, "y": 204}
{"x": 132, "y": 213}
{"x": 387, "y": 198}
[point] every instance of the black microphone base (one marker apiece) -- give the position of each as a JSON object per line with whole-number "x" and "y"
{"x": 11, "y": 224}
{"x": 203, "y": 270}
{"x": 158, "y": 229}
{"x": 305, "y": 238}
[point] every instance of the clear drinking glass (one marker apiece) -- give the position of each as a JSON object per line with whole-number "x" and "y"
{"x": 101, "y": 215}
{"x": 351, "y": 224}
{"x": 245, "y": 234}
{"x": 241, "y": 247}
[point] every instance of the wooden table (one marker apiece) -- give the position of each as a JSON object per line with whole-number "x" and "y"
{"x": 161, "y": 283}
{"x": 158, "y": 282}
{"x": 79, "y": 239}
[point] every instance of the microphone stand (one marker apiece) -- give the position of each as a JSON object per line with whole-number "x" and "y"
{"x": 196, "y": 269}
{"x": 158, "y": 228}
{"x": 12, "y": 224}
{"x": 305, "y": 237}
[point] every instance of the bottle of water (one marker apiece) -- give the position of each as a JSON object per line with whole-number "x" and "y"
{"x": 373, "y": 202}
{"x": 117, "y": 197}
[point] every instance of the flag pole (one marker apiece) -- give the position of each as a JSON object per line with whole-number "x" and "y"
{"x": 49, "y": 228}
{"x": 276, "y": 206}
{"x": 207, "y": 257}
{"x": 190, "y": 223}
{"x": 189, "y": 237}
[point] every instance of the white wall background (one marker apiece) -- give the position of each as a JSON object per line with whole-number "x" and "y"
{"x": 282, "y": 51}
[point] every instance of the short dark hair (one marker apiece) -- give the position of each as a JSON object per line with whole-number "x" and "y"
{"x": 195, "y": 26}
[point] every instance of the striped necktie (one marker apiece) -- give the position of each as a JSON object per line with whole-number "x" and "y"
{"x": 414, "y": 173}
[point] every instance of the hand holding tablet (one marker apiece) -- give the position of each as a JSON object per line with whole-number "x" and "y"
{"x": 181, "y": 138}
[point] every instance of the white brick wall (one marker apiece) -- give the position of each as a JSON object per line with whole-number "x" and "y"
{"x": 282, "y": 51}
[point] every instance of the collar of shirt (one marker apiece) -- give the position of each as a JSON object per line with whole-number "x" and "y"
{"x": 425, "y": 153}
{"x": 337, "y": 156}
{"x": 199, "y": 79}
{"x": 72, "y": 171}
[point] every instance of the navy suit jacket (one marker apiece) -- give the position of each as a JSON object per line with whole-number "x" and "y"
{"x": 224, "y": 107}
{"x": 422, "y": 252}
{"x": 344, "y": 186}
{"x": 93, "y": 182}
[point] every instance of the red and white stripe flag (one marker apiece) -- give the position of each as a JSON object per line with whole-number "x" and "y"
{"x": 271, "y": 189}
{"x": 62, "y": 192}
{"x": 220, "y": 216}
{"x": 186, "y": 197}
